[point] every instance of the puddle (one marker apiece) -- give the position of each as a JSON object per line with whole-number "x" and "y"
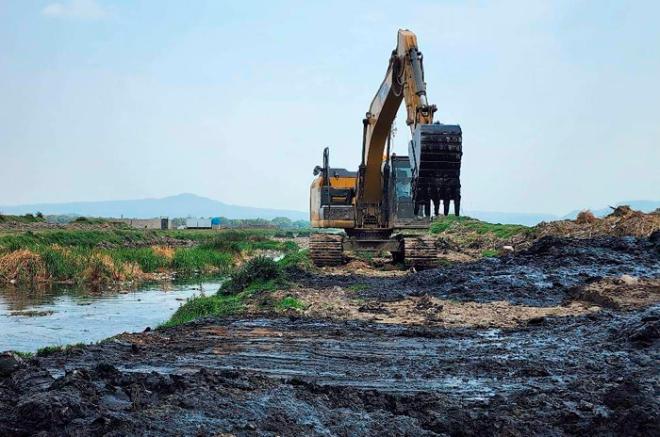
{"x": 30, "y": 320}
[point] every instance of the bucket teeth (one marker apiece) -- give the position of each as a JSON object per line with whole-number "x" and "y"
{"x": 435, "y": 154}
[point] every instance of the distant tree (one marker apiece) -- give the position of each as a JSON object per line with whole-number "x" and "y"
{"x": 40, "y": 215}
{"x": 301, "y": 224}
{"x": 282, "y": 222}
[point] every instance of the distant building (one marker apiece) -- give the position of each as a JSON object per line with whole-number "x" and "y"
{"x": 155, "y": 223}
{"x": 198, "y": 223}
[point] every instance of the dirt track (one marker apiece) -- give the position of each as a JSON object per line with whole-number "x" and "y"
{"x": 592, "y": 369}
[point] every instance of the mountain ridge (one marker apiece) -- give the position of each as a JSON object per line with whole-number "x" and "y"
{"x": 180, "y": 205}
{"x": 188, "y": 204}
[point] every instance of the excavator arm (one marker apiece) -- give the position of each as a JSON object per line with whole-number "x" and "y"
{"x": 404, "y": 80}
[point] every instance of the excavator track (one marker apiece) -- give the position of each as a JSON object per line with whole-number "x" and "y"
{"x": 326, "y": 249}
{"x": 422, "y": 252}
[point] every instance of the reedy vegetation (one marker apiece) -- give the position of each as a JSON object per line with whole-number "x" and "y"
{"x": 104, "y": 256}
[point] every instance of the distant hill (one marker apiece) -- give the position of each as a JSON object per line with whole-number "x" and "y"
{"x": 182, "y": 205}
{"x": 639, "y": 205}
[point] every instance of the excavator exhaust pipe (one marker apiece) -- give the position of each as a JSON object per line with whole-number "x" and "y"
{"x": 435, "y": 157}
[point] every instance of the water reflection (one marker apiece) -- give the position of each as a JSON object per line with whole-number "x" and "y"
{"x": 60, "y": 315}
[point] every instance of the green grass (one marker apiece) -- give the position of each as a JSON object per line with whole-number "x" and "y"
{"x": 296, "y": 260}
{"x": 75, "y": 238}
{"x": 206, "y": 306}
{"x": 63, "y": 265}
{"x": 27, "y": 218}
{"x": 452, "y": 224}
{"x": 198, "y": 259}
{"x": 148, "y": 260}
{"x": 219, "y": 240}
{"x": 50, "y": 350}
{"x": 24, "y": 355}
{"x": 75, "y": 255}
{"x": 290, "y": 303}
{"x": 489, "y": 253}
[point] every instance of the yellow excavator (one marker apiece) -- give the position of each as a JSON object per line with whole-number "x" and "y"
{"x": 389, "y": 193}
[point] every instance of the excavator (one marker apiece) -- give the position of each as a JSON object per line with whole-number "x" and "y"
{"x": 380, "y": 206}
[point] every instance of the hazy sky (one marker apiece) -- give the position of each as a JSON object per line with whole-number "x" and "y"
{"x": 101, "y": 99}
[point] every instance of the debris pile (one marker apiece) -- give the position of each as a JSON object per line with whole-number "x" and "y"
{"x": 623, "y": 221}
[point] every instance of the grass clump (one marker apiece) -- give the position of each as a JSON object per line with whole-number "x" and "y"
{"x": 258, "y": 270}
{"x": 489, "y": 253}
{"x": 205, "y": 306}
{"x": 23, "y": 355}
{"x": 50, "y": 350}
{"x": 149, "y": 259}
{"x": 290, "y": 303}
{"x": 296, "y": 261}
{"x": 198, "y": 259}
{"x": 455, "y": 225}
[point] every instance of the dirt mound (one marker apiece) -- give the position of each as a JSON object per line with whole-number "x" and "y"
{"x": 585, "y": 216}
{"x": 623, "y": 221}
{"x": 624, "y": 292}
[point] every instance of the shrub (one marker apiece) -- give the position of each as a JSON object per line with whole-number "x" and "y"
{"x": 258, "y": 269}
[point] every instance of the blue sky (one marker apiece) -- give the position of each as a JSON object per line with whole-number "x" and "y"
{"x": 103, "y": 99}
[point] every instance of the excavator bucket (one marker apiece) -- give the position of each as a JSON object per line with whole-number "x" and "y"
{"x": 435, "y": 158}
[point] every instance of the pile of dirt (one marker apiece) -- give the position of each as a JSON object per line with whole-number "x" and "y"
{"x": 624, "y": 292}
{"x": 623, "y": 221}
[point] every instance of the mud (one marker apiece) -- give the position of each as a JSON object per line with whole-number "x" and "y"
{"x": 580, "y": 359}
{"x": 546, "y": 274}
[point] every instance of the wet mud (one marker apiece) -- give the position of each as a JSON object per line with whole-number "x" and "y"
{"x": 584, "y": 373}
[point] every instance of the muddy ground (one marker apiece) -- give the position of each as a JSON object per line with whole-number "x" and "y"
{"x": 560, "y": 339}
